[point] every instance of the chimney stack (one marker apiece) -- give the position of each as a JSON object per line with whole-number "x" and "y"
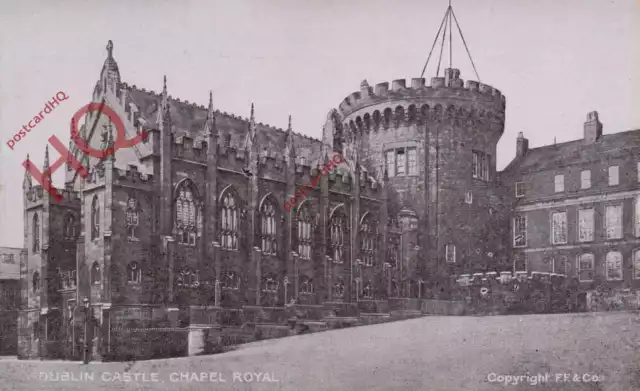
{"x": 522, "y": 145}
{"x": 592, "y": 127}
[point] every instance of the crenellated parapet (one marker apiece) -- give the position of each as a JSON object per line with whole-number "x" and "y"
{"x": 36, "y": 195}
{"x": 131, "y": 176}
{"x": 447, "y": 98}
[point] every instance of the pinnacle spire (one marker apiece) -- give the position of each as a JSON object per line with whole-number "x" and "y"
{"x": 289, "y": 139}
{"x": 46, "y": 157}
{"x": 26, "y": 183}
{"x": 110, "y": 143}
{"x": 163, "y": 112}
{"x": 209, "y": 125}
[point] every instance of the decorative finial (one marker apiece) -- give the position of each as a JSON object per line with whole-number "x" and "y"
{"x": 164, "y": 86}
{"x": 110, "y": 49}
{"x": 252, "y": 116}
{"x": 289, "y": 128}
{"x": 210, "y": 99}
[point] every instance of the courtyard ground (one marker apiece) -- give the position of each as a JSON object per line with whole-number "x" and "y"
{"x": 599, "y": 351}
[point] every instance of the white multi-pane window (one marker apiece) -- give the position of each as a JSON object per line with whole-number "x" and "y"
{"x": 520, "y": 189}
{"x": 401, "y": 162}
{"x": 268, "y": 218}
{"x": 412, "y": 160}
{"x": 613, "y": 221}
{"x": 637, "y": 216}
{"x": 391, "y": 163}
{"x": 559, "y": 228}
{"x": 585, "y": 179}
{"x": 586, "y": 225}
{"x": 614, "y": 265}
{"x": 559, "y": 183}
{"x": 480, "y": 164}
{"x": 586, "y": 263}
{"x": 450, "y": 253}
{"x": 636, "y": 264}
{"x": 304, "y": 232}
{"x": 229, "y": 222}
{"x": 520, "y": 231}
{"x": 614, "y": 178}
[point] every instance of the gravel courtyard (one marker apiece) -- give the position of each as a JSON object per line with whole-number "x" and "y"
{"x": 563, "y": 352}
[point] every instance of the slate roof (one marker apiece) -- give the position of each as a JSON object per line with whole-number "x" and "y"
{"x": 189, "y": 119}
{"x": 575, "y": 152}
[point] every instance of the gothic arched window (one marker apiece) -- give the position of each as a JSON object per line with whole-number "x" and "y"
{"x": 95, "y": 273}
{"x": 133, "y": 218}
{"x": 270, "y": 284}
{"x": 305, "y": 230}
{"x": 229, "y": 222}
{"x": 95, "y": 218}
{"x": 337, "y": 228}
{"x": 36, "y": 233}
{"x": 186, "y": 221}
{"x": 268, "y": 218}
{"x": 188, "y": 278}
{"x": 368, "y": 236}
{"x": 134, "y": 274}
{"x": 69, "y": 230}
{"x": 306, "y": 285}
{"x": 367, "y": 290}
{"x": 230, "y": 280}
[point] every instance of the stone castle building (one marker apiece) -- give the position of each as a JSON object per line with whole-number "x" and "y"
{"x": 191, "y": 222}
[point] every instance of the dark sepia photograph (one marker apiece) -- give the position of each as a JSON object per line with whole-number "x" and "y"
{"x": 320, "y": 195}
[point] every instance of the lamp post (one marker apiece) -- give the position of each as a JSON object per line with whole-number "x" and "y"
{"x": 85, "y": 357}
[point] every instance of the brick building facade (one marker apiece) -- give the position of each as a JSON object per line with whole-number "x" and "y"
{"x": 191, "y": 221}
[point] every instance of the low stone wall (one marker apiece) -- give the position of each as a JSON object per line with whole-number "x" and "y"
{"x": 624, "y": 300}
{"x": 442, "y": 307}
{"x": 147, "y": 343}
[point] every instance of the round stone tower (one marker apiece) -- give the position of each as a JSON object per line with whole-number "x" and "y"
{"x": 437, "y": 145}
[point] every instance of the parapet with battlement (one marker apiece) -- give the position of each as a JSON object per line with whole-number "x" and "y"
{"x": 381, "y": 106}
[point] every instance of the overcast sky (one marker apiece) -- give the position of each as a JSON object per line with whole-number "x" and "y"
{"x": 554, "y": 60}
